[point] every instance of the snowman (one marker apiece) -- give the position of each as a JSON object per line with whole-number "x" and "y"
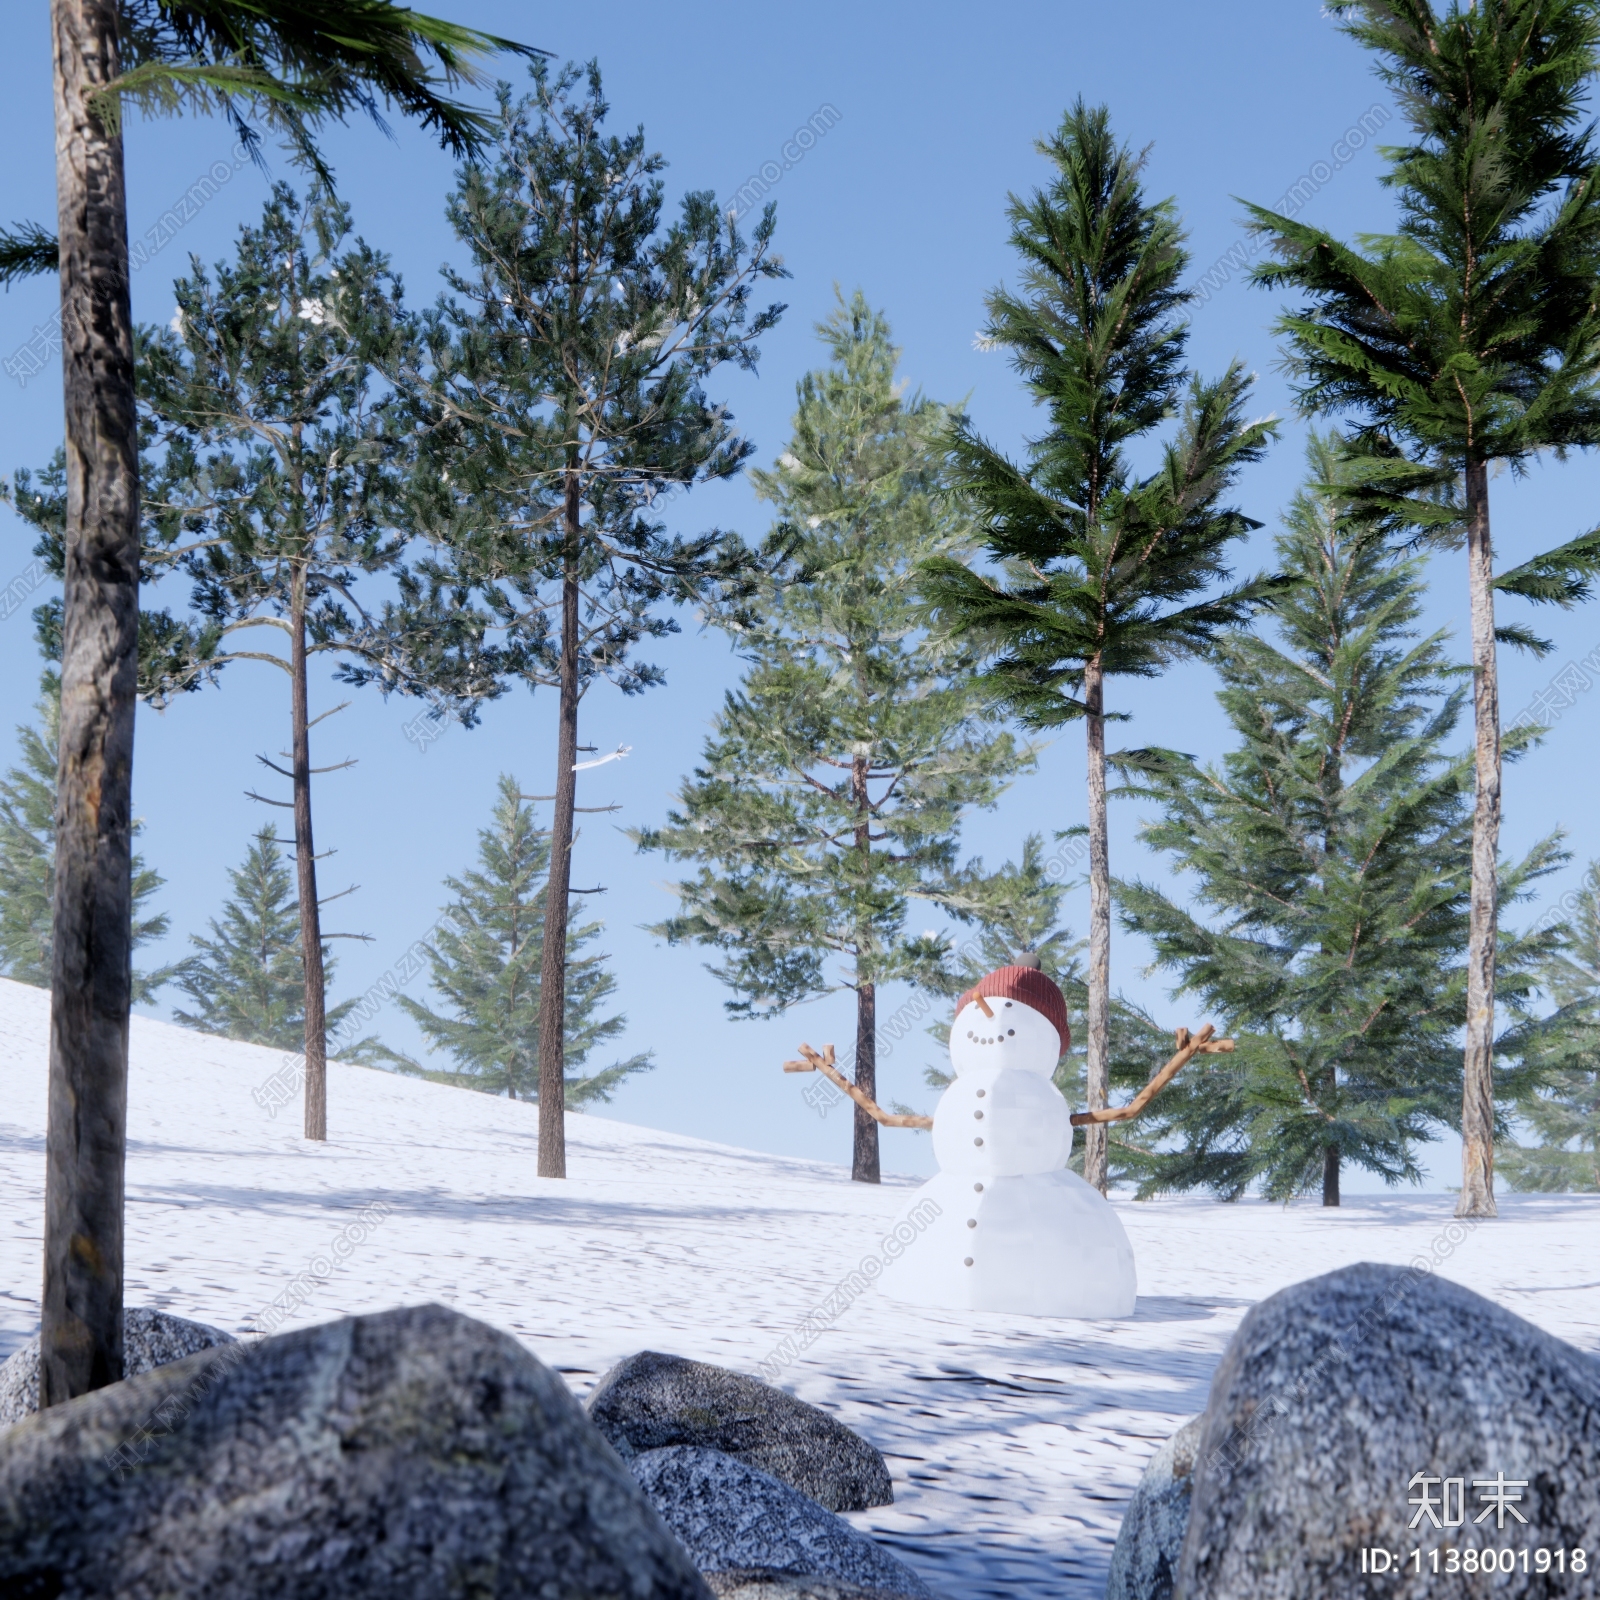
{"x": 1006, "y": 1225}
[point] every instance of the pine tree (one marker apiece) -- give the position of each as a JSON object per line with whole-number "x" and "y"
{"x": 248, "y": 981}
{"x": 1563, "y": 1114}
{"x": 831, "y": 792}
{"x": 1468, "y": 336}
{"x": 272, "y": 486}
{"x": 297, "y": 67}
{"x": 560, "y": 405}
{"x": 1331, "y": 858}
{"x": 27, "y": 861}
{"x": 1102, "y": 573}
{"x": 486, "y": 961}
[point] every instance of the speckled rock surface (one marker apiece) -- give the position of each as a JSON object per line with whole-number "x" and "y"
{"x": 1334, "y": 1393}
{"x": 1144, "y": 1565}
{"x": 415, "y": 1453}
{"x": 732, "y": 1517}
{"x": 149, "y": 1339}
{"x": 753, "y": 1583}
{"x": 650, "y": 1401}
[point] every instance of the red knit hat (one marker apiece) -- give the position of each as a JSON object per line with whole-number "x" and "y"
{"x": 1032, "y": 988}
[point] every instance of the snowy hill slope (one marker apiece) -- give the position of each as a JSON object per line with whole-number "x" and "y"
{"x": 1014, "y": 1443}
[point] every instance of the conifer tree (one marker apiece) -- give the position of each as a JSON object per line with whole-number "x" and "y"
{"x": 559, "y": 406}
{"x": 1466, "y": 337}
{"x": 272, "y": 486}
{"x": 1330, "y": 856}
{"x": 27, "y": 861}
{"x": 248, "y": 981}
{"x": 831, "y": 792}
{"x": 1563, "y": 1112}
{"x": 486, "y": 960}
{"x": 1102, "y": 572}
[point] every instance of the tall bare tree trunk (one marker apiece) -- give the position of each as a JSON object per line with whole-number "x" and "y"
{"x": 1330, "y": 1174}
{"x": 91, "y": 978}
{"x": 305, "y": 858}
{"x": 1477, "y": 1096}
{"x": 1098, "y": 1086}
{"x": 553, "y": 959}
{"x": 864, "y": 1160}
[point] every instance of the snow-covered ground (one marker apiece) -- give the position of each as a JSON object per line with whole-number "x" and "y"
{"x": 1014, "y": 1442}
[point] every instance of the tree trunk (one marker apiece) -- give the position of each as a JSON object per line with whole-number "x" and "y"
{"x": 553, "y": 958}
{"x": 1330, "y": 1174}
{"x": 864, "y": 1166}
{"x": 91, "y": 979}
{"x": 305, "y": 857}
{"x": 1098, "y": 1086}
{"x": 1477, "y": 1095}
{"x": 864, "y": 1155}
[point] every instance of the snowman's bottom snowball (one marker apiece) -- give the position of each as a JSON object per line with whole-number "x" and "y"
{"x": 1045, "y": 1244}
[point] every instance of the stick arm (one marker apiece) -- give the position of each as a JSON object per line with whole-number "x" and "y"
{"x": 823, "y": 1062}
{"x": 1201, "y": 1044}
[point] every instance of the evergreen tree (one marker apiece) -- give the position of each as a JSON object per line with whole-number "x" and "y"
{"x": 298, "y": 67}
{"x": 27, "y": 861}
{"x": 272, "y": 485}
{"x": 832, "y": 790}
{"x": 248, "y": 981}
{"x": 560, "y": 405}
{"x": 1332, "y": 850}
{"x": 1467, "y": 337}
{"x": 1563, "y": 1114}
{"x": 487, "y": 963}
{"x": 1101, "y": 572}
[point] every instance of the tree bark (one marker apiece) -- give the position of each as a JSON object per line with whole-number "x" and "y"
{"x": 91, "y": 981}
{"x": 1477, "y": 1092}
{"x": 553, "y": 958}
{"x": 864, "y": 1167}
{"x": 1330, "y": 1174}
{"x": 864, "y": 1161}
{"x": 305, "y": 857}
{"x": 1098, "y": 1085}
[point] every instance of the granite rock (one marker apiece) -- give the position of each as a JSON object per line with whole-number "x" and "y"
{"x": 651, "y": 1401}
{"x": 1144, "y": 1564}
{"x": 414, "y": 1453}
{"x": 149, "y": 1339}
{"x": 1336, "y": 1393}
{"x": 732, "y": 1517}
{"x": 763, "y": 1583}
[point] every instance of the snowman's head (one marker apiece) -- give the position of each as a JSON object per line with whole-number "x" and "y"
{"x": 1014, "y": 1017}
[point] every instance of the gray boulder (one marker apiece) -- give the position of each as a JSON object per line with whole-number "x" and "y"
{"x": 414, "y": 1453}
{"x": 149, "y": 1339}
{"x": 651, "y": 1401}
{"x": 735, "y": 1519}
{"x": 1144, "y": 1564}
{"x": 762, "y": 1583}
{"x": 1336, "y": 1393}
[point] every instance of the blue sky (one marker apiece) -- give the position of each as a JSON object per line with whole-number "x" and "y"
{"x": 934, "y": 111}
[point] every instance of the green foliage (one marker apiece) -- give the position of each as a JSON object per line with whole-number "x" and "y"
{"x": 269, "y": 458}
{"x": 485, "y": 961}
{"x": 27, "y": 861}
{"x": 1331, "y": 858}
{"x": 1563, "y": 1112}
{"x": 1471, "y": 332}
{"x": 1098, "y": 565}
{"x": 831, "y": 791}
{"x": 248, "y": 980}
{"x": 559, "y": 403}
{"x": 298, "y": 67}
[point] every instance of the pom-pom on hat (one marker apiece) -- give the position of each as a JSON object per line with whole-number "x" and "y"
{"x": 1031, "y": 987}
